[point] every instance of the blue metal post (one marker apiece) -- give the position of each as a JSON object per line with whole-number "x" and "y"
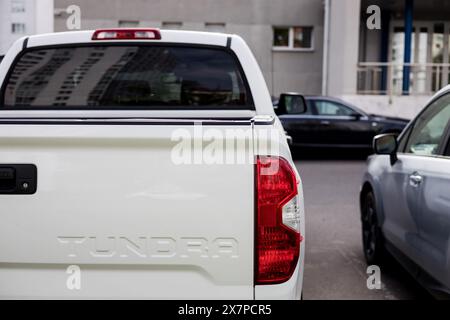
{"x": 409, "y": 5}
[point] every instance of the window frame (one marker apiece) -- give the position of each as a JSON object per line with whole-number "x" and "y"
{"x": 445, "y": 147}
{"x": 447, "y": 150}
{"x": 444, "y": 144}
{"x": 402, "y": 140}
{"x": 249, "y": 107}
{"x": 291, "y": 41}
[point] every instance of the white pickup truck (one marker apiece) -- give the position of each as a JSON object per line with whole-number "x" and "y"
{"x": 148, "y": 164}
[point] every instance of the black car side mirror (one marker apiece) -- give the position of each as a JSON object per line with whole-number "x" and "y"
{"x": 386, "y": 144}
{"x": 291, "y": 103}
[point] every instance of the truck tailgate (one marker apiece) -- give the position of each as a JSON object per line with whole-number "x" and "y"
{"x": 111, "y": 201}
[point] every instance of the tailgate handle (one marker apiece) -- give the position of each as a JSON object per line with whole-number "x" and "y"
{"x": 18, "y": 179}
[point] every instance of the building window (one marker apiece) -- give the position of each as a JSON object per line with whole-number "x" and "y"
{"x": 17, "y": 28}
{"x": 215, "y": 27}
{"x": 172, "y": 25}
{"x": 303, "y": 37}
{"x": 281, "y": 37}
{"x": 293, "y": 38}
{"x": 128, "y": 24}
{"x": 17, "y": 6}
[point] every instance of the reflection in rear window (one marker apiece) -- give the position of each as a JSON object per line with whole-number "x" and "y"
{"x": 127, "y": 77}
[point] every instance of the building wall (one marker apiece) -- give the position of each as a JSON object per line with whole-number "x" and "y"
{"x": 44, "y": 21}
{"x": 343, "y": 47}
{"x": 251, "y": 19}
{"x": 406, "y": 107}
{"x": 37, "y": 18}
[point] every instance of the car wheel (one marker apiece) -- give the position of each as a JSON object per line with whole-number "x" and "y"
{"x": 373, "y": 245}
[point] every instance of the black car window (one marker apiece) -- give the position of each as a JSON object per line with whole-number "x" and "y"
{"x": 309, "y": 108}
{"x": 429, "y": 128}
{"x": 330, "y": 108}
{"x": 127, "y": 77}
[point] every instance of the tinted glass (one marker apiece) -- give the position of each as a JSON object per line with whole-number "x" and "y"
{"x": 328, "y": 108}
{"x": 429, "y": 128}
{"x": 295, "y": 105}
{"x": 303, "y": 37}
{"x": 309, "y": 108}
{"x": 281, "y": 37}
{"x": 127, "y": 77}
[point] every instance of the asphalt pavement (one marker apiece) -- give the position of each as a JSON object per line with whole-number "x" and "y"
{"x": 334, "y": 264}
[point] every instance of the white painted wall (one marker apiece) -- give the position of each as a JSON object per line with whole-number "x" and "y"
{"x": 45, "y": 18}
{"x": 396, "y": 106}
{"x": 38, "y": 18}
{"x": 343, "y": 47}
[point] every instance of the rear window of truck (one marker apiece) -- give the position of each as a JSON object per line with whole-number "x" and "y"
{"x": 126, "y": 77}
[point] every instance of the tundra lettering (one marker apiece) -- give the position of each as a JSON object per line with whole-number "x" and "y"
{"x": 149, "y": 247}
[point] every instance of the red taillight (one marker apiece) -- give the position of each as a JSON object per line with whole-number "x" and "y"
{"x": 127, "y": 34}
{"x": 277, "y": 246}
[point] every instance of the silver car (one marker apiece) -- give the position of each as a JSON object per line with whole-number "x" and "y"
{"x": 405, "y": 197}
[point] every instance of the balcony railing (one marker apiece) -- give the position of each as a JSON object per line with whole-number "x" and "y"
{"x": 386, "y": 78}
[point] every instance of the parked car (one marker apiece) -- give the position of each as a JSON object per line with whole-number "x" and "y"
{"x": 331, "y": 122}
{"x": 92, "y": 176}
{"x": 405, "y": 197}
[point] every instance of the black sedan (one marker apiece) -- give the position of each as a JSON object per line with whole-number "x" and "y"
{"x": 331, "y": 122}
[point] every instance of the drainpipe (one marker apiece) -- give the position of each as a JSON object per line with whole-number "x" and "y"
{"x": 326, "y": 37}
